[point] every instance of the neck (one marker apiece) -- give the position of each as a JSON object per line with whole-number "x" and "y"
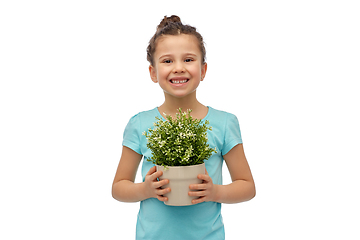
{"x": 172, "y": 104}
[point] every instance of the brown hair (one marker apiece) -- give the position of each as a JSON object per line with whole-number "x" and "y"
{"x": 173, "y": 26}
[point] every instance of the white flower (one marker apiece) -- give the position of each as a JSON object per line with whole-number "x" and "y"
{"x": 162, "y": 143}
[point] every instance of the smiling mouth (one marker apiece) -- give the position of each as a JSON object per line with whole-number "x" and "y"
{"x": 179, "y": 81}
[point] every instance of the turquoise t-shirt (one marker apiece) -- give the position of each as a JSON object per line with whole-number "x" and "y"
{"x": 201, "y": 221}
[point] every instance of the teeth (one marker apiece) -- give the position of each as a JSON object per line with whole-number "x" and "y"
{"x": 181, "y": 81}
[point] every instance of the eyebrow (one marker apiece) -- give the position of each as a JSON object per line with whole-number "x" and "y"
{"x": 170, "y": 55}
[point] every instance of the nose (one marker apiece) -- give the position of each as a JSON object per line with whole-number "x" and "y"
{"x": 179, "y": 67}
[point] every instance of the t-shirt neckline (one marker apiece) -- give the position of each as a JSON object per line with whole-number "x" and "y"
{"x": 204, "y": 119}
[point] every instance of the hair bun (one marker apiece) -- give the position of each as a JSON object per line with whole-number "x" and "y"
{"x": 167, "y": 21}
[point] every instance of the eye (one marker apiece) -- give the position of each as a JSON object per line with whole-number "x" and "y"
{"x": 167, "y": 61}
{"x": 188, "y": 60}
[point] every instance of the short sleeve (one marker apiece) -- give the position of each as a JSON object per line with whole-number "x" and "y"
{"x": 131, "y": 137}
{"x": 232, "y": 133}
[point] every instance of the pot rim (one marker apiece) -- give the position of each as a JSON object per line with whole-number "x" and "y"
{"x": 179, "y": 166}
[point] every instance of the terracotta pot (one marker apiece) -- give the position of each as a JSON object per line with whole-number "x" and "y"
{"x": 180, "y": 178}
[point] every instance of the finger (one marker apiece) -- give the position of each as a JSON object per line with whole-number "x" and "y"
{"x": 158, "y": 173}
{"x": 155, "y": 175}
{"x": 161, "y": 183}
{"x": 206, "y": 172}
{"x": 151, "y": 171}
{"x": 160, "y": 192}
{"x": 197, "y": 186}
{"x": 204, "y": 177}
{"x": 162, "y": 198}
{"x": 197, "y": 193}
{"x": 198, "y": 200}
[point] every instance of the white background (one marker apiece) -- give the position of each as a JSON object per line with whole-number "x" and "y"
{"x": 74, "y": 72}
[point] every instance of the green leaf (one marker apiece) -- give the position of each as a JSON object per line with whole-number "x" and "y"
{"x": 179, "y": 141}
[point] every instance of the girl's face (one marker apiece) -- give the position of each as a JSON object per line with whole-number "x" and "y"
{"x": 178, "y": 67}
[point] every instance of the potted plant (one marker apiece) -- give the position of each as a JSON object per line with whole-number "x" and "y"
{"x": 179, "y": 148}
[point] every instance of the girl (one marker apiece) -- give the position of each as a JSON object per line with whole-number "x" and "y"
{"x": 176, "y": 54}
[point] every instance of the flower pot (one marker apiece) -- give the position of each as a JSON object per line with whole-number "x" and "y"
{"x": 180, "y": 178}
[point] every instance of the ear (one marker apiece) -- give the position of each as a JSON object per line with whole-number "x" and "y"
{"x": 153, "y": 74}
{"x": 203, "y": 71}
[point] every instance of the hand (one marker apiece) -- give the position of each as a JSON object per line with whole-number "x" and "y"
{"x": 153, "y": 186}
{"x": 206, "y": 189}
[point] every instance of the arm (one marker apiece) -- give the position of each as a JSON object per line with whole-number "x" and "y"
{"x": 125, "y": 190}
{"x": 242, "y": 187}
